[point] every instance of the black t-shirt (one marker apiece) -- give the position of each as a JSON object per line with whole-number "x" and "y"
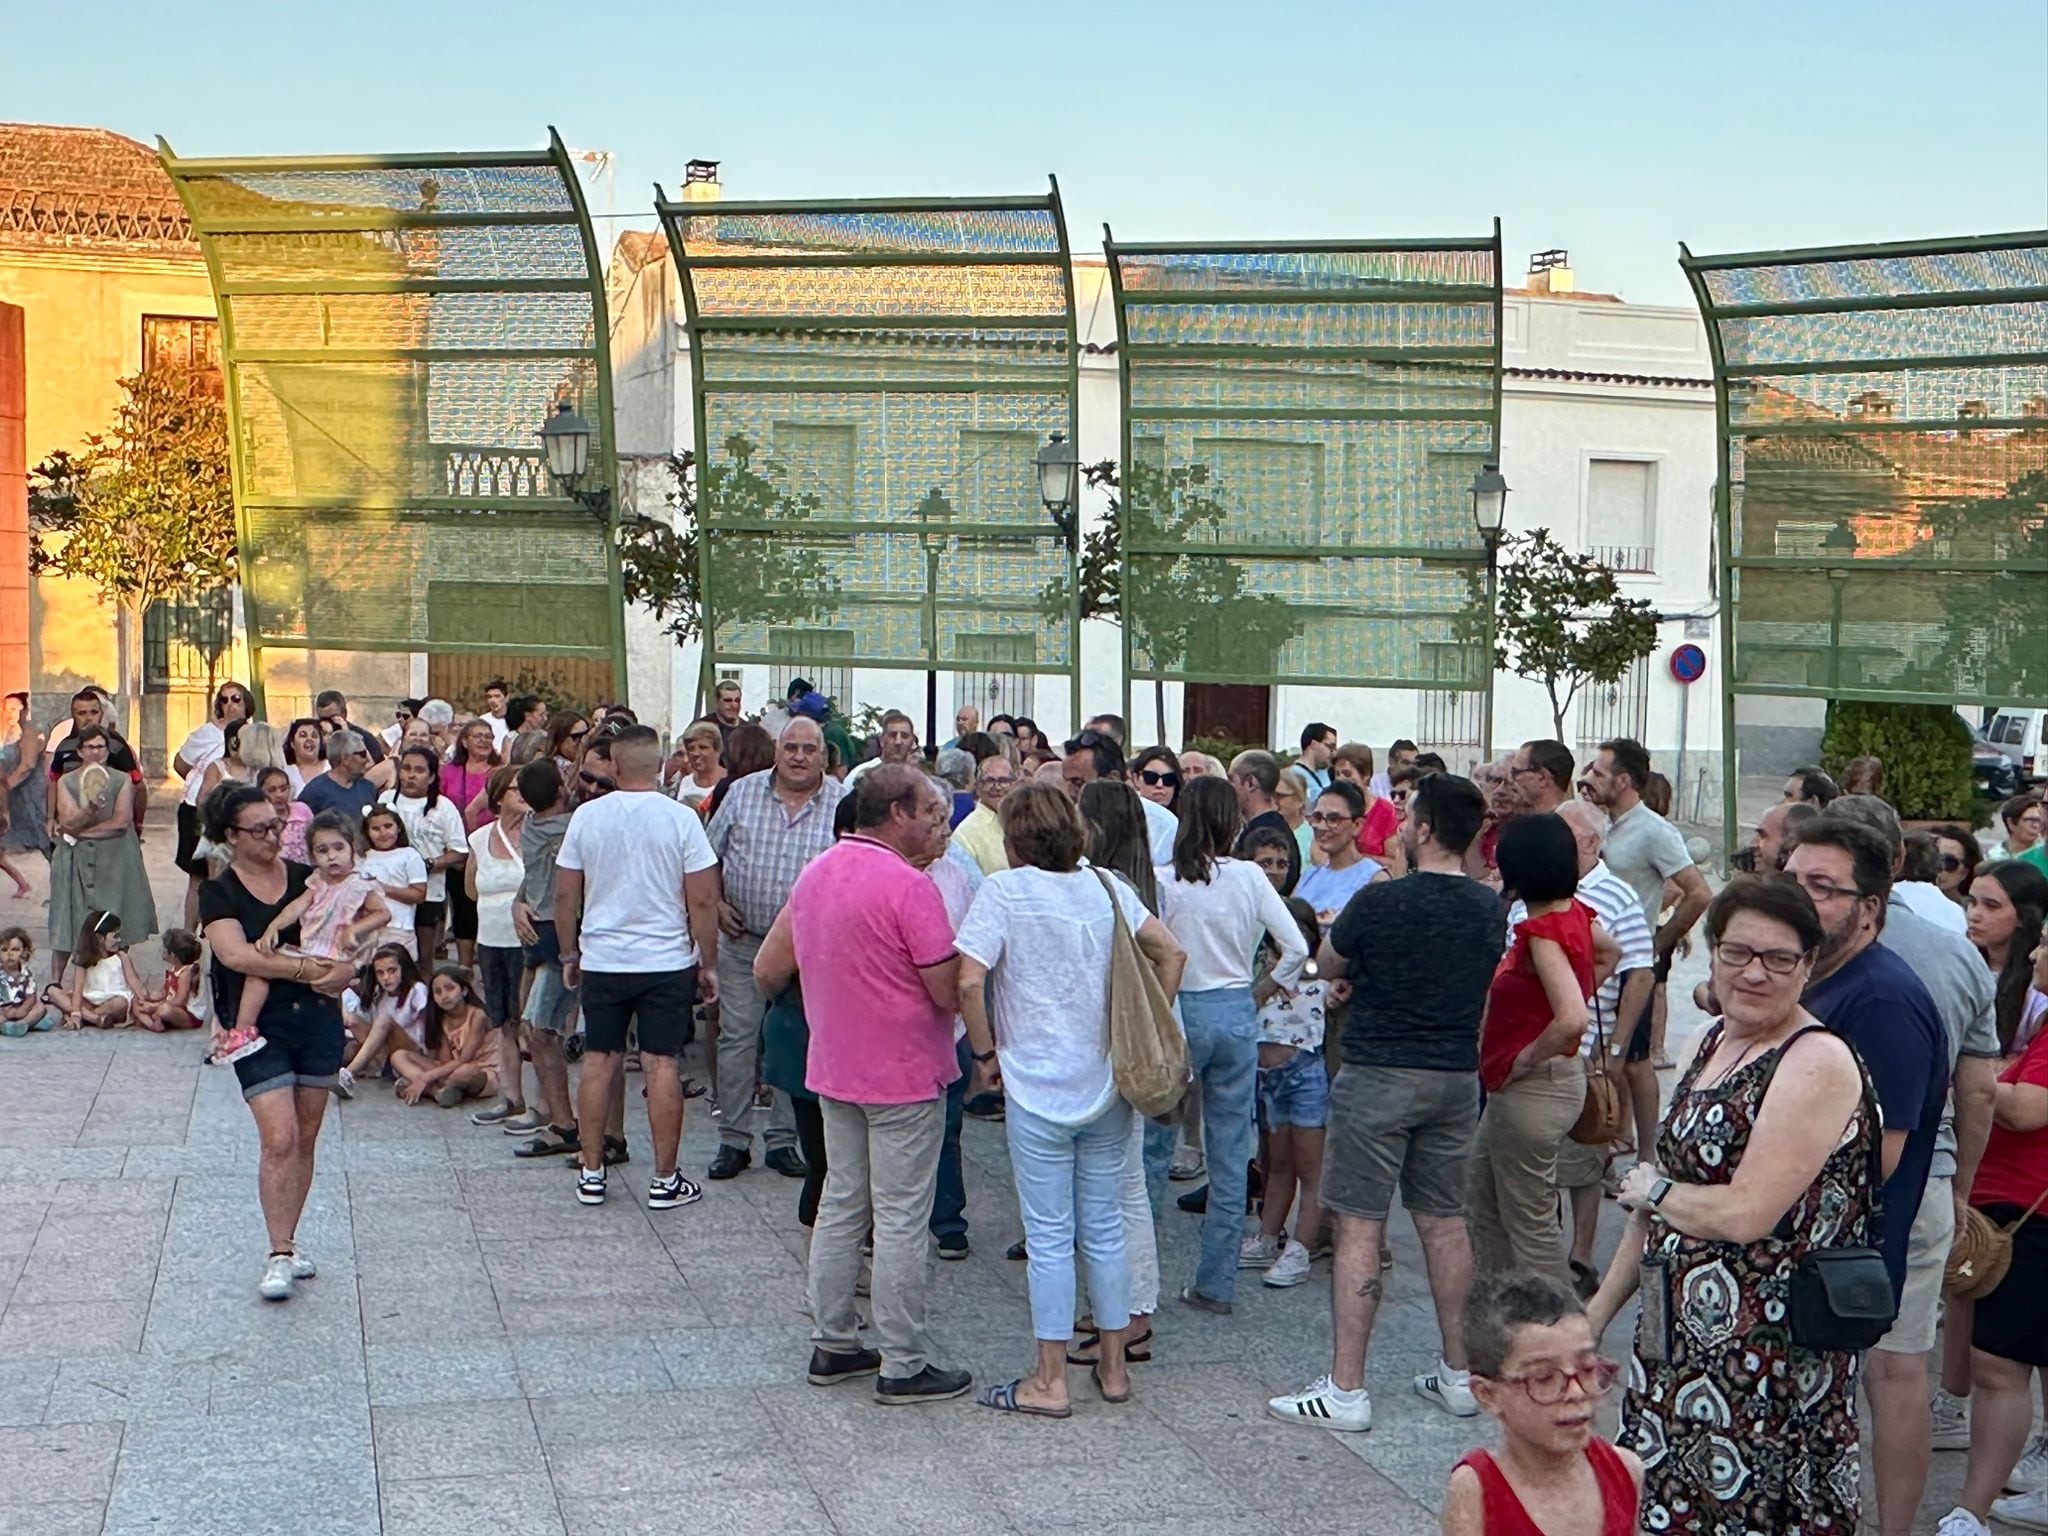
{"x": 120, "y": 756}
{"x": 1278, "y": 823}
{"x": 1421, "y": 952}
{"x": 226, "y": 897}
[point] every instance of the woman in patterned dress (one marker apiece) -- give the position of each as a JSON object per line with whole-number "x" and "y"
{"x": 1766, "y": 1154}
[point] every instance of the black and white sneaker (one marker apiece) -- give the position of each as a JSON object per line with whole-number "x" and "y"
{"x": 590, "y": 1185}
{"x": 666, "y": 1194}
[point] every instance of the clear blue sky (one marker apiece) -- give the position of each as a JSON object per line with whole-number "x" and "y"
{"x": 1615, "y": 129}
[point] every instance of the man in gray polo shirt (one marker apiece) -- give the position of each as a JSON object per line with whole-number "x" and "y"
{"x": 1895, "y": 1375}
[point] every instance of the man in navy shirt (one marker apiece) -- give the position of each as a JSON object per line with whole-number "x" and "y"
{"x": 1870, "y": 997}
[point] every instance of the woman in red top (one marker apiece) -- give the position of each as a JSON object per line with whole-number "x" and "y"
{"x": 1529, "y": 1049}
{"x": 463, "y": 780}
{"x": 1379, "y": 834}
{"x": 2009, "y": 1332}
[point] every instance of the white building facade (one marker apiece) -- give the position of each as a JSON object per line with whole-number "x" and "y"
{"x": 1607, "y": 440}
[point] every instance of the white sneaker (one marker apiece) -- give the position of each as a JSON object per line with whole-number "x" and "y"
{"x": 1187, "y": 1164}
{"x": 1291, "y": 1268}
{"x": 2031, "y": 1475}
{"x": 1450, "y": 1390}
{"x": 2028, "y": 1511}
{"x": 302, "y": 1267}
{"x": 1258, "y": 1252}
{"x": 1322, "y": 1404}
{"x": 1951, "y": 1419}
{"x": 276, "y": 1284}
{"x": 1960, "y": 1522}
{"x": 345, "y": 1084}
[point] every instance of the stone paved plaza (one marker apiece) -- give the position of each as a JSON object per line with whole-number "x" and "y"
{"x": 481, "y": 1353}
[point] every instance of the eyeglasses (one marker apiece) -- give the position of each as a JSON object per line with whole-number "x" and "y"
{"x": 271, "y": 828}
{"x": 1821, "y": 890}
{"x": 579, "y": 733}
{"x": 1778, "y": 962}
{"x": 595, "y": 782}
{"x": 1328, "y": 818}
{"x": 1548, "y": 1385}
{"x": 234, "y": 698}
{"x": 1951, "y": 862}
{"x": 1156, "y": 777}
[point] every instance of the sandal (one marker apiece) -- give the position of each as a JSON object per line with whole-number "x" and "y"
{"x": 1095, "y": 1371}
{"x": 1137, "y": 1348}
{"x": 1004, "y": 1400}
{"x": 551, "y": 1142}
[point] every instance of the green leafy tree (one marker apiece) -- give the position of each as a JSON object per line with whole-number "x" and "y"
{"x": 1993, "y": 626}
{"x": 1561, "y": 621}
{"x": 147, "y": 510}
{"x": 1193, "y": 612}
{"x": 1925, "y": 749}
{"x": 765, "y": 579}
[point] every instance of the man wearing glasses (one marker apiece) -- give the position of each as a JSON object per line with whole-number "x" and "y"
{"x": 203, "y": 746}
{"x": 981, "y": 834}
{"x": 1870, "y": 995}
{"x": 342, "y": 787}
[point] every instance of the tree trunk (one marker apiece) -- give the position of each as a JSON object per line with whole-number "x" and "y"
{"x": 128, "y": 670}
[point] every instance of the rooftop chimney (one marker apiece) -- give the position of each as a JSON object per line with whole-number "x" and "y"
{"x": 1551, "y": 272}
{"x": 700, "y": 181}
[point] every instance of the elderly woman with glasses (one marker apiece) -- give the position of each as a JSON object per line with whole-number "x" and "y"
{"x": 1768, "y": 1153}
{"x": 287, "y": 1079}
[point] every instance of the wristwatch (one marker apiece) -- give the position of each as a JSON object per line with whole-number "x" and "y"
{"x": 1658, "y": 1191}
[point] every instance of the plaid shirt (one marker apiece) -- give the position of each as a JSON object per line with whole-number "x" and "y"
{"x": 762, "y": 848}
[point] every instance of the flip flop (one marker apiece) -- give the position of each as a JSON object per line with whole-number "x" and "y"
{"x": 1137, "y": 1348}
{"x": 1004, "y": 1400}
{"x": 1107, "y": 1395}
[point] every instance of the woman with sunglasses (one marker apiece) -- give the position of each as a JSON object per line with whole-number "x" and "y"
{"x": 566, "y": 730}
{"x": 1156, "y": 775}
{"x": 1768, "y": 1152}
{"x": 286, "y": 1082}
{"x": 1958, "y": 859}
{"x": 206, "y": 744}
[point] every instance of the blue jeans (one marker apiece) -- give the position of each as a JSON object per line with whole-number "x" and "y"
{"x": 949, "y": 1195}
{"x": 1069, "y": 1189}
{"x": 1223, "y": 1051}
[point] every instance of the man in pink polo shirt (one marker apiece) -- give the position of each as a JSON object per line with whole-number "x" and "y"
{"x": 870, "y": 933}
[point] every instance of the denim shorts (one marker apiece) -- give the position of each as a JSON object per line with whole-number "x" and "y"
{"x": 1296, "y": 1094}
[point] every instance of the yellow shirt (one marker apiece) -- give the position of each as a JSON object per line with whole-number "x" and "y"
{"x": 981, "y": 834}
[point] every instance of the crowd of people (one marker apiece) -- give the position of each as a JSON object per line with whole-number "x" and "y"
{"x": 1388, "y": 978}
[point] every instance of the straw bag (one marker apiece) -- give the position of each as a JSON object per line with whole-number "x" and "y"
{"x": 1148, "y": 1054}
{"x": 1982, "y": 1252}
{"x": 1602, "y": 1118}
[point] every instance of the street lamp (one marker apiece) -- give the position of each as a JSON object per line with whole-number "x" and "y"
{"x": 1490, "y": 516}
{"x": 1059, "y": 477}
{"x": 566, "y": 438}
{"x": 933, "y": 514}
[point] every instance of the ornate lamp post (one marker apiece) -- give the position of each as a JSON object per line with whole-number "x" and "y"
{"x": 1489, "y": 516}
{"x": 1059, "y": 484}
{"x": 566, "y": 437}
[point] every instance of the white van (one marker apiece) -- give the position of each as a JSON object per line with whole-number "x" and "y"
{"x": 2017, "y": 733}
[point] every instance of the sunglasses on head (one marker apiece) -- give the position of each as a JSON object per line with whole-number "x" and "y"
{"x": 1155, "y": 776}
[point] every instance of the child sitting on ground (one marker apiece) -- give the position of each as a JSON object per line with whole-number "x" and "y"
{"x": 20, "y": 1009}
{"x": 337, "y": 913}
{"x": 1294, "y": 1104}
{"x": 179, "y": 1005}
{"x": 385, "y": 1010}
{"x": 461, "y": 1056}
{"x": 106, "y": 985}
{"x": 1534, "y": 1368}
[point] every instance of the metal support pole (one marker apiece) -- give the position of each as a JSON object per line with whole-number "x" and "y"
{"x": 1492, "y": 604}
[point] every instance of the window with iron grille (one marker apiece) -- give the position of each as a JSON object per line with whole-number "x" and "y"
{"x": 187, "y": 641}
{"x": 1621, "y": 513}
{"x": 182, "y": 341}
{"x": 988, "y": 688}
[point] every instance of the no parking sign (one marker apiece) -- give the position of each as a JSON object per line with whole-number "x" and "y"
{"x": 1688, "y": 663}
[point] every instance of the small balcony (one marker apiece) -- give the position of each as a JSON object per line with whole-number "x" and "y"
{"x": 1625, "y": 559}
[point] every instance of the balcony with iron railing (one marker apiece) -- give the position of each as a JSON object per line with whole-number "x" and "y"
{"x": 1626, "y": 559}
{"x": 497, "y": 471}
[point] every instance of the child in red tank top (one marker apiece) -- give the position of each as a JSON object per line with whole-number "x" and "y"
{"x": 1534, "y": 1368}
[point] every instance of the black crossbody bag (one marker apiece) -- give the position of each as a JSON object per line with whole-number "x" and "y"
{"x": 1841, "y": 1300}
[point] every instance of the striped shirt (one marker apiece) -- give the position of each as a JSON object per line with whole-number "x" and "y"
{"x": 762, "y": 847}
{"x": 1619, "y": 910}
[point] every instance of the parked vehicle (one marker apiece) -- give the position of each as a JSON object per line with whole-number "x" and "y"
{"x": 2017, "y": 734}
{"x": 1996, "y": 776}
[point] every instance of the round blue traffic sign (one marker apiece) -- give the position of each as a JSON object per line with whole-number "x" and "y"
{"x": 1688, "y": 663}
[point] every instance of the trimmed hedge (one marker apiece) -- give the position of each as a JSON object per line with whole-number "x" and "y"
{"x": 1926, "y": 754}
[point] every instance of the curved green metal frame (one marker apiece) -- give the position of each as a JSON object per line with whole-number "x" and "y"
{"x": 1805, "y": 344}
{"x": 837, "y": 269}
{"x": 1300, "y": 351}
{"x": 522, "y": 496}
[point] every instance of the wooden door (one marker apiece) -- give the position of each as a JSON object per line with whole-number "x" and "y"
{"x": 1235, "y": 712}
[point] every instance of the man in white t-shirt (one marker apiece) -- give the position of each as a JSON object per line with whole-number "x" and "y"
{"x": 203, "y": 746}
{"x": 636, "y": 910}
{"x": 495, "y": 696}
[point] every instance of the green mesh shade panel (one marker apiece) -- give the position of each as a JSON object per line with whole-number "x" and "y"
{"x": 1301, "y": 429}
{"x": 1884, "y": 494}
{"x": 394, "y": 330}
{"x": 873, "y": 381}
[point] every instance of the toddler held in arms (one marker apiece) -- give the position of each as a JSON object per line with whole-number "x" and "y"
{"x": 335, "y": 917}
{"x": 1535, "y": 1369}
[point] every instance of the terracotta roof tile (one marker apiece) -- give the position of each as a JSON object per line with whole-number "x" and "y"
{"x": 86, "y": 189}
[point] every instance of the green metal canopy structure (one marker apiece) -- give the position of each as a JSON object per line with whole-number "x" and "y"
{"x": 394, "y": 330}
{"x": 1883, "y": 498}
{"x": 872, "y": 383}
{"x": 1301, "y": 425}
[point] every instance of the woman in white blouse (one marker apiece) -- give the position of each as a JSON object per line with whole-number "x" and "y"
{"x": 1218, "y": 908}
{"x": 1034, "y": 994}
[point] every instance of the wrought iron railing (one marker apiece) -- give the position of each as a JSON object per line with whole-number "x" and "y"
{"x": 1634, "y": 559}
